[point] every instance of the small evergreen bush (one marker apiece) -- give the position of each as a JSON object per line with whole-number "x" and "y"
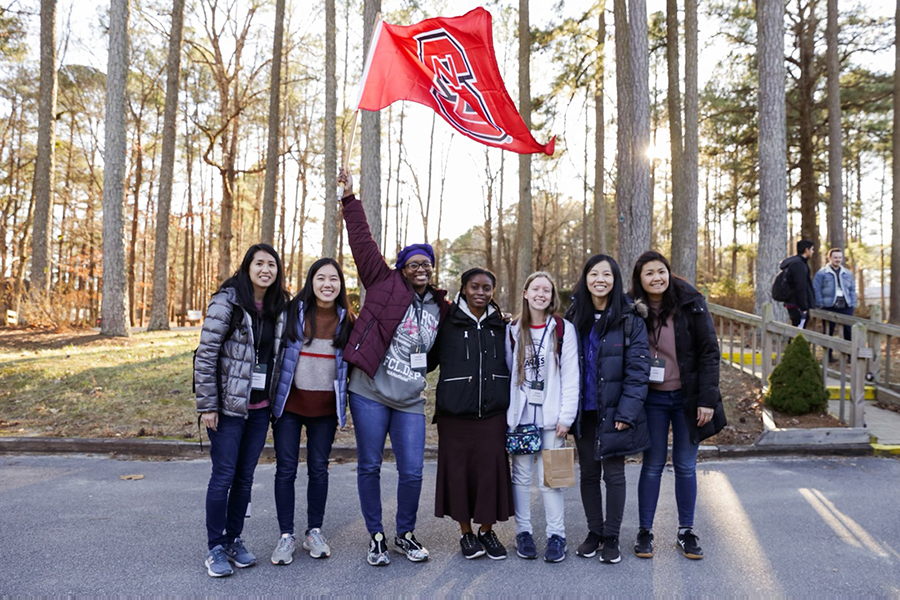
{"x": 795, "y": 385}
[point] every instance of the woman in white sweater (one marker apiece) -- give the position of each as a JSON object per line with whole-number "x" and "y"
{"x": 542, "y": 352}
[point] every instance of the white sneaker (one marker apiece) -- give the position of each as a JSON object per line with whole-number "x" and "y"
{"x": 284, "y": 551}
{"x": 316, "y": 543}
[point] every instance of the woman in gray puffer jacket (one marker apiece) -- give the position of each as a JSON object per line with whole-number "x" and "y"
{"x": 232, "y": 375}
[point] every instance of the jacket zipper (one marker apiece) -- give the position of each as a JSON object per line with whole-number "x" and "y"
{"x": 466, "y": 378}
{"x": 466, "y": 338}
{"x": 480, "y": 363}
{"x": 496, "y": 377}
{"x": 494, "y": 342}
{"x": 362, "y": 338}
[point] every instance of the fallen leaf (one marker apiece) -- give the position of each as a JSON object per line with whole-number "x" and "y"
{"x": 131, "y": 477}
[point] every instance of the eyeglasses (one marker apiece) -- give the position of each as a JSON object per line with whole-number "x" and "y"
{"x": 414, "y": 266}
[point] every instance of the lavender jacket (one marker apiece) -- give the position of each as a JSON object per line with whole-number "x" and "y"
{"x": 388, "y": 294}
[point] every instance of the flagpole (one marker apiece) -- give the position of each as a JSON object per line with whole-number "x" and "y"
{"x": 348, "y": 146}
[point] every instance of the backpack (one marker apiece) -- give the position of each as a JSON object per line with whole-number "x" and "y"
{"x": 560, "y": 331}
{"x": 781, "y": 287}
{"x": 237, "y": 317}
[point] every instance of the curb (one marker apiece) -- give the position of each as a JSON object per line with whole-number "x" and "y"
{"x": 138, "y": 448}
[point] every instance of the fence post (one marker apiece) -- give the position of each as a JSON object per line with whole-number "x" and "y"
{"x": 767, "y": 317}
{"x": 875, "y": 341}
{"x": 859, "y": 356}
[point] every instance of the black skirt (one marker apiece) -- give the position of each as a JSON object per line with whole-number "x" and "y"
{"x": 473, "y": 480}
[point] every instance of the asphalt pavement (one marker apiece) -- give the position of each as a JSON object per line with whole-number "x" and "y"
{"x": 69, "y": 525}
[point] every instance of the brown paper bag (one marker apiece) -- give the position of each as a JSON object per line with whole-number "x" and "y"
{"x": 559, "y": 467}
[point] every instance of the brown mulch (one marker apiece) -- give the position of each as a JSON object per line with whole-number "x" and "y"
{"x": 741, "y": 394}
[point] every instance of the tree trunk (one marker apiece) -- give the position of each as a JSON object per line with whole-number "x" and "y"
{"x": 525, "y": 225}
{"x": 271, "y": 190}
{"x": 44, "y": 164}
{"x": 681, "y": 227}
{"x": 599, "y": 225}
{"x": 135, "y": 215}
{"x": 624, "y": 120}
{"x": 835, "y": 145}
{"x": 809, "y": 197}
{"x": 329, "y": 244}
{"x": 160, "y": 300}
{"x": 895, "y": 201}
{"x": 370, "y": 180}
{"x": 772, "y": 148}
{"x": 114, "y": 306}
{"x": 684, "y": 203}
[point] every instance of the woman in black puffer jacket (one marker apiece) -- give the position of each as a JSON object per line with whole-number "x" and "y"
{"x": 473, "y": 478}
{"x": 612, "y": 346}
{"x": 684, "y": 392}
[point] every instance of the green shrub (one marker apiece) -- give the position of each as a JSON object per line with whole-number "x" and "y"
{"x": 795, "y": 385}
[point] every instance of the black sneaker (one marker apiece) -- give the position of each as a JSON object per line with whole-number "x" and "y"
{"x": 643, "y": 545}
{"x": 588, "y": 547}
{"x": 610, "y": 554}
{"x": 378, "y": 552}
{"x": 471, "y": 547}
{"x": 406, "y": 543}
{"x": 525, "y": 546}
{"x": 690, "y": 544}
{"x": 495, "y": 550}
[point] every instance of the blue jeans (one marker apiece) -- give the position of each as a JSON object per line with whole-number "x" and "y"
{"x": 319, "y": 438}
{"x": 663, "y": 408}
{"x": 372, "y": 422}
{"x": 234, "y": 449}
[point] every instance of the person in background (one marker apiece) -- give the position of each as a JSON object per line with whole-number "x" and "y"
{"x": 543, "y": 392}
{"x": 389, "y": 346}
{"x": 802, "y": 297}
{"x": 310, "y": 391}
{"x": 233, "y": 368}
{"x": 835, "y": 291}
{"x": 684, "y": 393}
{"x": 473, "y": 480}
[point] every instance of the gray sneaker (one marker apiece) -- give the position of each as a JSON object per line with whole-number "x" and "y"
{"x": 217, "y": 563}
{"x": 238, "y": 554}
{"x": 316, "y": 543}
{"x": 378, "y": 553}
{"x": 407, "y": 544}
{"x": 284, "y": 551}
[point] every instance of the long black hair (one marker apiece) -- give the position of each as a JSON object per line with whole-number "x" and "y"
{"x": 670, "y": 299}
{"x": 308, "y": 297}
{"x": 581, "y": 312}
{"x": 276, "y": 298}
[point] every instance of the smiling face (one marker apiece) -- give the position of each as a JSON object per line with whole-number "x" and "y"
{"x": 836, "y": 257}
{"x": 417, "y": 271}
{"x": 599, "y": 282}
{"x": 479, "y": 290}
{"x": 655, "y": 279}
{"x": 263, "y": 270}
{"x": 539, "y": 294}
{"x": 326, "y": 286}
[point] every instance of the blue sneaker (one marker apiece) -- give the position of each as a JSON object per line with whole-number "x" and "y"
{"x": 525, "y": 547}
{"x": 217, "y": 563}
{"x": 238, "y": 554}
{"x": 556, "y": 549}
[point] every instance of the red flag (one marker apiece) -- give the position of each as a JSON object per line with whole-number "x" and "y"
{"x": 449, "y": 65}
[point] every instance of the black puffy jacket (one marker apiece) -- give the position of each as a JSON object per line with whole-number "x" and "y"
{"x": 474, "y": 378}
{"x": 697, "y": 350}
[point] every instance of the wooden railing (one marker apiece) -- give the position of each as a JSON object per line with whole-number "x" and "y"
{"x": 760, "y": 341}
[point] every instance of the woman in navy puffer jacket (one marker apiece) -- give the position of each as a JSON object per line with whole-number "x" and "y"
{"x": 611, "y": 423}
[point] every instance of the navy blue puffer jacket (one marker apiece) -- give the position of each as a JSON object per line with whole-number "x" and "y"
{"x": 622, "y": 378}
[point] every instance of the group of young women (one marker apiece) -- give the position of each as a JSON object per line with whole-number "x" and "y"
{"x": 617, "y": 373}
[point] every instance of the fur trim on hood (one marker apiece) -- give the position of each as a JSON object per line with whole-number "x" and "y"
{"x": 639, "y": 308}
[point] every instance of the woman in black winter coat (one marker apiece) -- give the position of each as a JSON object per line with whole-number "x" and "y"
{"x": 612, "y": 345}
{"x": 473, "y": 478}
{"x": 684, "y": 392}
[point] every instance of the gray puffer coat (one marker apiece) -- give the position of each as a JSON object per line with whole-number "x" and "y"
{"x": 223, "y": 368}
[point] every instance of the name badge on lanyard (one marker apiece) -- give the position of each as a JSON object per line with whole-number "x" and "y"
{"x": 536, "y": 393}
{"x": 657, "y": 370}
{"x": 258, "y": 381}
{"x": 418, "y": 358}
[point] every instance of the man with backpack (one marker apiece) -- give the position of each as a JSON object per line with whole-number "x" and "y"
{"x": 793, "y": 285}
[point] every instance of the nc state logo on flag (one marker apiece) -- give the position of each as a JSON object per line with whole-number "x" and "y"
{"x": 449, "y": 65}
{"x": 455, "y": 88}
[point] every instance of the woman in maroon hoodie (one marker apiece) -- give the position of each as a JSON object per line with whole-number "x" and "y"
{"x": 395, "y": 329}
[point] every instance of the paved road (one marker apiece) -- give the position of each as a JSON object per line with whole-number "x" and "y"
{"x": 70, "y": 526}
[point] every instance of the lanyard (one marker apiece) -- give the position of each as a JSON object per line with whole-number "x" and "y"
{"x": 536, "y": 353}
{"x": 257, "y": 336}
{"x": 419, "y": 308}
{"x": 654, "y": 335}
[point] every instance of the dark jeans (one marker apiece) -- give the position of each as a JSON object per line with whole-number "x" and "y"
{"x": 613, "y": 473}
{"x": 234, "y": 449}
{"x": 663, "y": 408}
{"x": 319, "y": 438}
{"x": 796, "y": 315}
{"x": 828, "y": 326}
{"x": 372, "y": 421}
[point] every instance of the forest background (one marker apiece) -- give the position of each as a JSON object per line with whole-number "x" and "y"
{"x": 717, "y": 134}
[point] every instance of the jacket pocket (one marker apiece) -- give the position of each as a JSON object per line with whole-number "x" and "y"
{"x": 457, "y": 396}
